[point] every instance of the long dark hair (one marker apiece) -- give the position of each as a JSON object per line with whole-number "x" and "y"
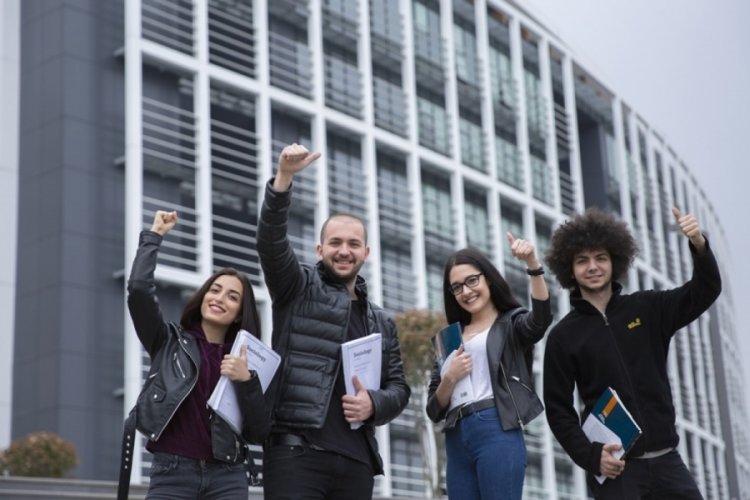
{"x": 500, "y": 293}
{"x": 249, "y": 320}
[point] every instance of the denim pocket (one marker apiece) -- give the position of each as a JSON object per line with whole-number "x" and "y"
{"x": 234, "y": 467}
{"x": 162, "y": 465}
{"x": 487, "y": 415}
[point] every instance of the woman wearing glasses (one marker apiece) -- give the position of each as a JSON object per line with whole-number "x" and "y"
{"x": 484, "y": 430}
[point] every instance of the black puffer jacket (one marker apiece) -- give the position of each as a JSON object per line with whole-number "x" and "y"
{"x": 310, "y": 322}
{"x": 175, "y": 361}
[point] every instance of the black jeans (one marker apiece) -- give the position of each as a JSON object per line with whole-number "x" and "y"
{"x": 302, "y": 473}
{"x": 662, "y": 478}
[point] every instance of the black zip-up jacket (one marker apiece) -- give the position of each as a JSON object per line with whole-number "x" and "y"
{"x": 626, "y": 349}
{"x": 310, "y": 322}
{"x": 175, "y": 361}
{"x": 510, "y": 336}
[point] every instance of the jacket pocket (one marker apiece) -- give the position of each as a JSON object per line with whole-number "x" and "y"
{"x": 520, "y": 382}
{"x": 155, "y": 393}
{"x": 305, "y": 388}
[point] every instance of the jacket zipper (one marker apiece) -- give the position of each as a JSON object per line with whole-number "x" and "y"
{"x": 518, "y": 379}
{"x": 510, "y": 393}
{"x": 192, "y": 386}
{"x": 179, "y": 366}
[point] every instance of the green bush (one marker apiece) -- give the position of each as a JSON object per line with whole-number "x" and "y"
{"x": 40, "y": 454}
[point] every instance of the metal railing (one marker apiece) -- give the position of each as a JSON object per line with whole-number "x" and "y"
{"x": 290, "y": 65}
{"x": 347, "y": 188}
{"x": 433, "y": 126}
{"x": 169, "y": 23}
{"x": 472, "y": 145}
{"x": 180, "y": 250}
{"x": 343, "y": 86}
{"x": 231, "y": 35}
{"x": 168, "y": 140}
{"x": 390, "y": 106}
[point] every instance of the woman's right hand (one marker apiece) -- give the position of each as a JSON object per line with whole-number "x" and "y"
{"x": 164, "y": 222}
{"x": 459, "y": 367}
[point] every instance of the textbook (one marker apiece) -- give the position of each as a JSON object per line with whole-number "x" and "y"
{"x": 463, "y": 391}
{"x": 260, "y": 358}
{"x": 446, "y": 341}
{"x": 362, "y": 357}
{"x": 610, "y": 422}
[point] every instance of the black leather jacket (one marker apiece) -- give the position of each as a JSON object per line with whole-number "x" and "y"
{"x": 512, "y": 387}
{"x": 175, "y": 361}
{"x": 310, "y": 322}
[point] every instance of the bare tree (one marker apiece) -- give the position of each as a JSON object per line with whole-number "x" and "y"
{"x": 415, "y": 328}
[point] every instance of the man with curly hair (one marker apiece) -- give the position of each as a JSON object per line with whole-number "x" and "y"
{"x": 618, "y": 340}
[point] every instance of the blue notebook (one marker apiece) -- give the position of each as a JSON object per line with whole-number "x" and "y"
{"x": 610, "y": 411}
{"x": 446, "y": 341}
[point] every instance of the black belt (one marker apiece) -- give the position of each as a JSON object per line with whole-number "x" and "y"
{"x": 468, "y": 409}
{"x": 278, "y": 439}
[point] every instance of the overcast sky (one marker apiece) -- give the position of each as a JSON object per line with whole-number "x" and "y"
{"x": 683, "y": 65}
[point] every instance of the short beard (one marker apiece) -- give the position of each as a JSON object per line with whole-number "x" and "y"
{"x": 339, "y": 278}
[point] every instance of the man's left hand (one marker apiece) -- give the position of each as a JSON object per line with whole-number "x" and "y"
{"x": 690, "y": 228}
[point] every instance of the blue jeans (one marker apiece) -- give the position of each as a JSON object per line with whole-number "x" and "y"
{"x": 484, "y": 461}
{"x": 175, "y": 477}
{"x": 661, "y": 478}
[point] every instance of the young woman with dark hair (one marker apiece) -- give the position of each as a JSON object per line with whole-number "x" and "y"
{"x": 484, "y": 437}
{"x": 195, "y": 453}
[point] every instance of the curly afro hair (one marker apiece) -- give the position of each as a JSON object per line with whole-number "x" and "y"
{"x": 595, "y": 229}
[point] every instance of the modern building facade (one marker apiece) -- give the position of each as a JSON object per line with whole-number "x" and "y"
{"x": 443, "y": 123}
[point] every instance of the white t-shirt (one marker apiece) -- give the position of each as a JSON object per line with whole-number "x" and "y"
{"x": 480, "y": 371}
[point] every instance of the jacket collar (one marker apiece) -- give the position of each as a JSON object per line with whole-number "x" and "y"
{"x": 360, "y": 286}
{"x": 583, "y": 306}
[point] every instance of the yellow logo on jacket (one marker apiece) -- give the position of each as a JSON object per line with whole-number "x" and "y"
{"x": 634, "y": 324}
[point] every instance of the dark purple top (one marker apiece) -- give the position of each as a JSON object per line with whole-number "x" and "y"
{"x": 188, "y": 434}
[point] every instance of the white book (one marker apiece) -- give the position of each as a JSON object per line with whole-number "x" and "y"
{"x": 260, "y": 358}
{"x": 611, "y": 423}
{"x": 597, "y": 431}
{"x": 362, "y": 357}
{"x": 463, "y": 391}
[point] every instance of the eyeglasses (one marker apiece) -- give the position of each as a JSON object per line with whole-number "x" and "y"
{"x": 471, "y": 281}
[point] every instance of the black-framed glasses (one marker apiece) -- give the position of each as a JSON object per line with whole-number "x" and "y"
{"x": 471, "y": 281}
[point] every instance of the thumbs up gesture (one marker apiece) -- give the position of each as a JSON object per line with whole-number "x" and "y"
{"x": 523, "y": 250}
{"x": 293, "y": 159}
{"x": 690, "y": 228}
{"x": 357, "y": 408}
{"x": 235, "y": 367}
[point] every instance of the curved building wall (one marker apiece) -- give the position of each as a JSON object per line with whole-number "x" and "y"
{"x": 443, "y": 123}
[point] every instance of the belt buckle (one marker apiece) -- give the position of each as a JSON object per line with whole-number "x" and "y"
{"x": 461, "y": 412}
